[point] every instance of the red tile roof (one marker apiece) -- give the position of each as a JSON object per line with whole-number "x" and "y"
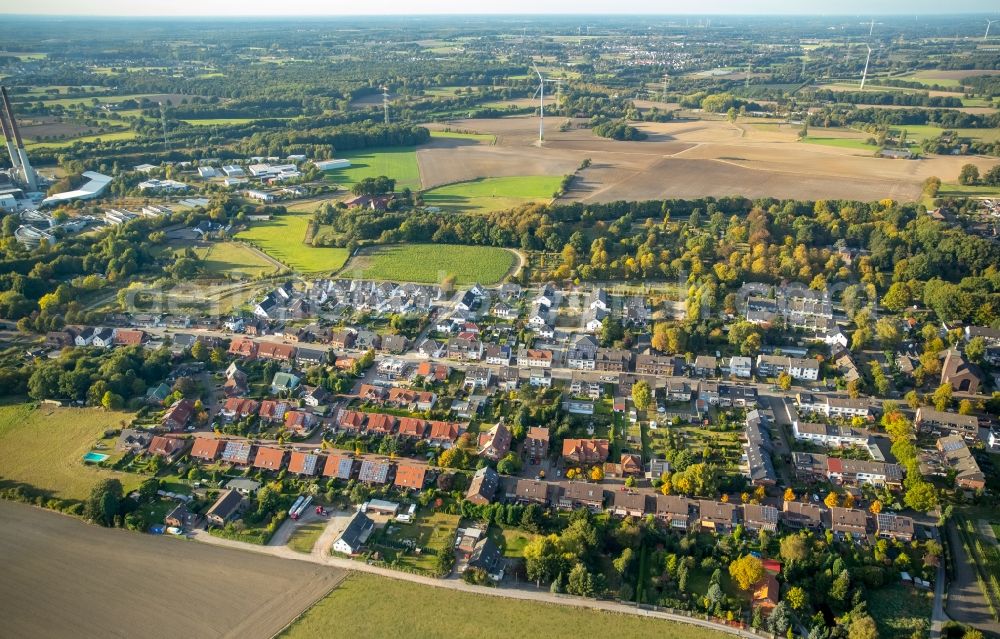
{"x": 207, "y": 448}
{"x": 410, "y": 476}
{"x": 269, "y": 458}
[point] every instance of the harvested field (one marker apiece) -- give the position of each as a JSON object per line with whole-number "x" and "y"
{"x": 492, "y": 194}
{"x": 65, "y": 578}
{"x": 686, "y": 158}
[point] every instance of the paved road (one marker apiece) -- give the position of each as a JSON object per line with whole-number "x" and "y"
{"x": 320, "y": 556}
{"x": 965, "y": 599}
{"x": 938, "y": 617}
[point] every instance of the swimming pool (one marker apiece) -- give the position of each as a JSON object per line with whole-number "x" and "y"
{"x": 93, "y": 458}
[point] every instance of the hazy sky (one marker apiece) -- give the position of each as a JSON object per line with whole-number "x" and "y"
{"x": 237, "y": 8}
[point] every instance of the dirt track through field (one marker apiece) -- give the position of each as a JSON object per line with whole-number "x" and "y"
{"x": 64, "y": 578}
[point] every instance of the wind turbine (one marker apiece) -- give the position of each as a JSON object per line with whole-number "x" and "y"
{"x": 541, "y": 104}
{"x": 864, "y": 75}
{"x": 663, "y": 95}
{"x": 989, "y": 23}
{"x": 385, "y": 102}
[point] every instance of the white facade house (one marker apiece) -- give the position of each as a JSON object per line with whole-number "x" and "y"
{"x": 740, "y": 366}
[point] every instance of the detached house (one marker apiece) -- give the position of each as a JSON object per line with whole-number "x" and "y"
{"x": 493, "y": 445}
{"x": 585, "y": 451}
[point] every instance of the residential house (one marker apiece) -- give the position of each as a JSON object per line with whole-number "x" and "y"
{"x": 540, "y": 377}
{"x": 410, "y": 476}
{"x": 653, "y": 364}
{"x": 411, "y": 399}
{"x": 343, "y": 339}
{"x": 243, "y": 347}
{"x": 104, "y": 337}
{"x": 674, "y": 511}
{"x": 717, "y": 516}
{"x": 705, "y": 366}
{"x": 315, "y": 396}
{"x": 628, "y": 504}
{"x": 830, "y": 435}
{"x": 374, "y": 472}
{"x": 536, "y": 444}
{"x": 284, "y": 382}
{"x": 529, "y": 491}
{"x": 849, "y": 522}
{"x": 443, "y": 434}
{"x": 938, "y": 421}
{"x": 497, "y": 354}
{"x": 338, "y": 467}
{"x": 465, "y": 348}
{"x": 305, "y": 356}
{"x": 305, "y": 464}
{"x": 760, "y": 466}
{"x": 269, "y": 458}
{"x": 890, "y": 526}
{"x": 579, "y": 494}
{"x": 955, "y": 455}
{"x": 412, "y": 427}
{"x": 299, "y": 422}
{"x": 238, "y": 452}
{"x": 133, "y": 441}
{"x": 483, "y": 486}
{"x": 238, "y": 408}
{"x": 585, "y": 451}
{"x": 740, "y": 366}
{"x": 534, "y": 358}
{"x": 276, "y": 351}
{"x": 857, "y": 472}
{"x": 381, "y": 424}
{"x": 225, "y": 508}
{"x": 272, "y": 411}
{"x": 169, "y": 448}
{"x": 178, "y": 415}
{"x": 766, "y": 594}
{"x": 125, "y": 337}
{"x": 757, "y": 517}
{"x": 508, "y": 378}
{"x": 433, "y": 372}
{"x": 477, "y": 377}
{"x": 495, "y": 443}
{"x": 355, "y": 535}
{"x": 207, "y": 448}
{"x": 612, "y": 360}
{"x": 802, "y": 515}
{"x": 394, "y": 344}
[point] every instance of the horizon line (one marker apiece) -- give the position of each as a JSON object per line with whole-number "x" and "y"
{"x": 444, "y": 14}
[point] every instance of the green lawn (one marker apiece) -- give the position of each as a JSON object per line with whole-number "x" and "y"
{"x": 930, "y": 78}
{"x": 385, "y": 608}
{"x": 920, "y": 132}
{"x": 306, "y": 536}
{"x": 900, "y": 611}
{"x": 44, "y": 447}
{"x": 217, "y": 121}
{"x": 492, "y": 194}
{"x": 512, "y": 540}
{"x": 225, "y": 259}
{"x": 432, "y": 531}
{"x": 104, "y": 137}
{"x": 844, "y": 143}
{"x": 949, "y": 189}
{"x": 431, "y": 263}
{"x": 399, "y": 163}
{"x": 281, "y": 238}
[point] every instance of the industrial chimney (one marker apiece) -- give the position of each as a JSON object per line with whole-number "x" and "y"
{"x": 27, "y": 173}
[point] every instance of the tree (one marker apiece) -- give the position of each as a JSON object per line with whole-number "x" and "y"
{"x": 897, "y": 297}
{"x": 542, "y": 559}
{"x": 623, "y": 561}
{"x": 931, "y": 186}
{"x": 969, "y": 175}
{"x": 794, "y": 548}
{"x": 913, "y": 399}
{"x": 104, "y": 503}
{"x": 112, "y": 401}
{"x": 596, "y": 473}
{"x": 746, "y": 571}
{"x": 976, "y": 349}
{"x": 784, "y": 380}
{"x": 965, "y": 407}
{"x": 444, "y": 562}
{"x": 942, "y": 396}
{"x": 863, "y": 627}
{"x": 789, "y": 494}
{"x": 832, "y": 500}
{"x": 888, "y": 332}
{"x": 920, "y": 496}
{"x": 642, "y": 395}
{"x": 199, "y": 350}
{"x": 580, "y": 581}
{"x": 875, "y": 507}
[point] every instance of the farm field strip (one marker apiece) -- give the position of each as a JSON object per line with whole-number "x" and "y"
{"x": 431, "y": 263}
